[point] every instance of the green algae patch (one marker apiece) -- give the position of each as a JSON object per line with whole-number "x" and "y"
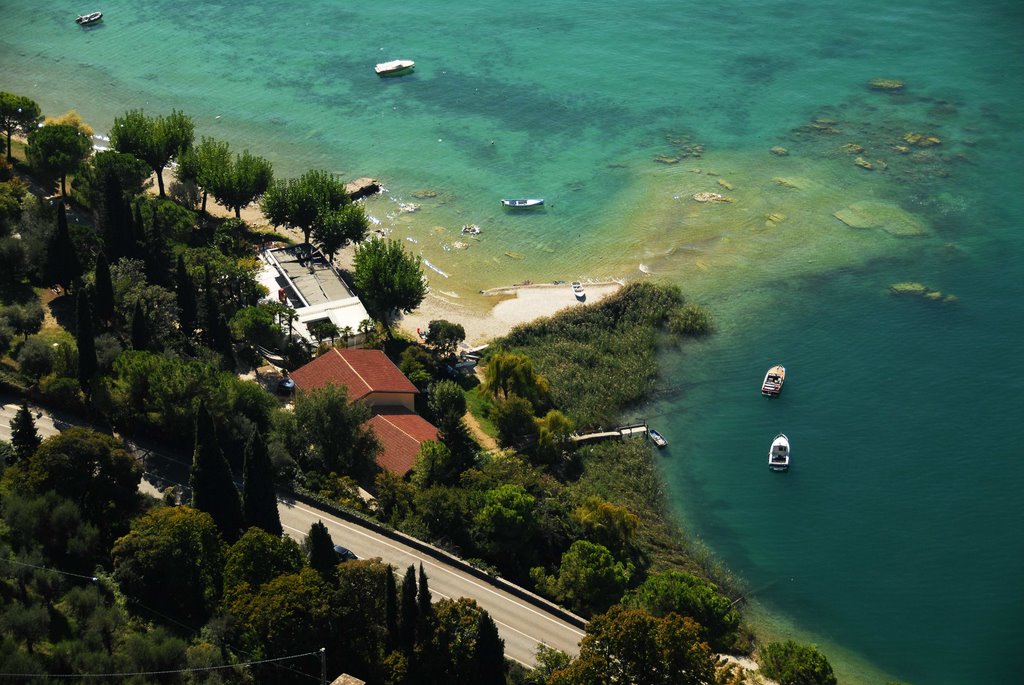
{"x": 880, "y": 215}
{"x": 915, "y": 289}
{"x": 889, "y": 85}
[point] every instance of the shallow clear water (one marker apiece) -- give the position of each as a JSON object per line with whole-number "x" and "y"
{"x": 894, "y": 541}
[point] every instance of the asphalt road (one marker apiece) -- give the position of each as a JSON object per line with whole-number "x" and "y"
{"x": 522, "y": 625}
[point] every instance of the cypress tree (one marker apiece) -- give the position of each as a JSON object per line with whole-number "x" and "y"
{"x": 409, "y": 613}
{"x": 62, "y": 265}
{"x": 259, "y": 500}
{"x": 488, "y": 653}
{"x": 390, "y": 609}
{"x": 424, "y": 610}
{"x": 86, "y": 343}
{"x": 24, "y": 437}
{"x": 156, "y": 254}
{"x": 140, "y": 328}
{"x": 218, "y": 335}
{"x": 138, "y": 246}
{"x": 104, "y": 292}
{"x": 213, "y": 489}
{"x": 116, "y": 219}
{"x": 320, "y": 547}
{"x": 186, "y": 294}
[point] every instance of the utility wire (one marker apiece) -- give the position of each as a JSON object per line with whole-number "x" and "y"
{"x": 183, "y": 670}
{"x": 47, "y": 568}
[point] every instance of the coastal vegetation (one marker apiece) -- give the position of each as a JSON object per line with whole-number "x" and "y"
{"x": 145, "y": 317}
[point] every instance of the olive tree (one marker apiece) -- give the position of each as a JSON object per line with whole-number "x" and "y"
{"x": 154, "y": 140}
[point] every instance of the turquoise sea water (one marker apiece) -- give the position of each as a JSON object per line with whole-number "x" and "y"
{"x": 895, "y": 540}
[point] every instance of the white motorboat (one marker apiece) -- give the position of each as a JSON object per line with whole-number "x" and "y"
{"x": 91, "y": 18}
{"x": 778, "y": 455}
{"x": 771, "y": 386}
{"x": 526, "y": 202}
{"x": 577, "y": 290}
{"x": 396, "y": 67}
{"x": 657, "y": 438}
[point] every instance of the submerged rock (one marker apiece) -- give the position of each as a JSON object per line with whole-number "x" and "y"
{"x": 890, "y": 85}
{"x": 710, "y": 197}
{"x": 922, "y": 139}
{"x": 794, "y": 183}
{"x": 863, "y": 163}
{"x": 666, "y": 159}
{"x": 852, "y": 148}
{"x": 889, "y": 218}
{"x": 779, "y": 150}
{"x": 775, "y": 218}
{"x": 424, "y": 194}
{"x": 725, "y": 184}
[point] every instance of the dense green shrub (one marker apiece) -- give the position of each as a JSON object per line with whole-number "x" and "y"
{"x": 791, "y": 663}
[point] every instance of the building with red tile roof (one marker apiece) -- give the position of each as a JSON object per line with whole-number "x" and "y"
{"x": 368, "y": 375}
{"x": 400, "y": 433}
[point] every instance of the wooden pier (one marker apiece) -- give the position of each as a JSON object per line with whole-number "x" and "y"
{"x": 632, "y": 430}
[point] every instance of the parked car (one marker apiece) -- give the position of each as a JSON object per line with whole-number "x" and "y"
{"x": 344, "y": 553}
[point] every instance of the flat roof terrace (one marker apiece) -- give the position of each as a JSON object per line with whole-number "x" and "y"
{"x": 314, "y": 280}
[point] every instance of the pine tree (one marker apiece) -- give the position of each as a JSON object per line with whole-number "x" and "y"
{"x": 320, "y": 548}
{"x": 390, "y": 609}
{"x": 62, "y": 265}
{"x": 408, "y": 616}
{"x": 424, "y": 610}
{"x": 488, "y": 653}
{"x": 104, "y": 292}
{"x": 187, "y": 306}
{"x": 213, "y": 489}
{"x": 259, "y": 500}
{"x": 24, "y": 437}
{"x": 140, "y": 328}
{"x": 86, "y": 343}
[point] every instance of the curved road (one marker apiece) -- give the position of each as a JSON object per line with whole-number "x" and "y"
{"x": 521, "y": 624}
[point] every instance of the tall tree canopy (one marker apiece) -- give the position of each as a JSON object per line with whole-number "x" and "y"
{"x": 334, "y": 431}
{"x": 213, "y": 489}
{"x": 17, "y": 114}
{"x": 389, "y": 279}
{"x": 301, "y": 202}
{"x": 154, "y": 140}
{"x": 62, "y": 263}
{"x": 58, "y": 150}
{"x": 259, "y": 499}
{"x": 687, "y": 595}
{"x": 24, "y": 437}
{"x": 204, "y": 163}
{"x": 88, "y": 468}
{"x": 631, "y": 646}
{"x": 172, "y": 563}
{"x": 242, "y": 181}
{"x": 334, "y": 229}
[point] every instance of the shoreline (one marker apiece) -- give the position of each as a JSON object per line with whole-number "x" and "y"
{"x": 492, "y": 314}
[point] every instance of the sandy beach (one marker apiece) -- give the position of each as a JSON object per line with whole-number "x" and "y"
{"x": 490, "y": 315}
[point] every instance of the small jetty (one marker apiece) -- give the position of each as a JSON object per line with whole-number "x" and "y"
{"x": 771, "y": 386}
{"x": 632, "y": 430}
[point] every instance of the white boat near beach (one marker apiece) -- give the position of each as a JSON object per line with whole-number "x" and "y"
{"x": 395, "y": 67}
{"x": 577, "y": 290}
{"x": 526, "y": 202}
{"x": 778, "y": 455}
{"x": 91, "y": 18}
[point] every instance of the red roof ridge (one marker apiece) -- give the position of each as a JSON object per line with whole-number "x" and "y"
{"x": 401, "y": 430}
{"x": 369, "y": 387}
